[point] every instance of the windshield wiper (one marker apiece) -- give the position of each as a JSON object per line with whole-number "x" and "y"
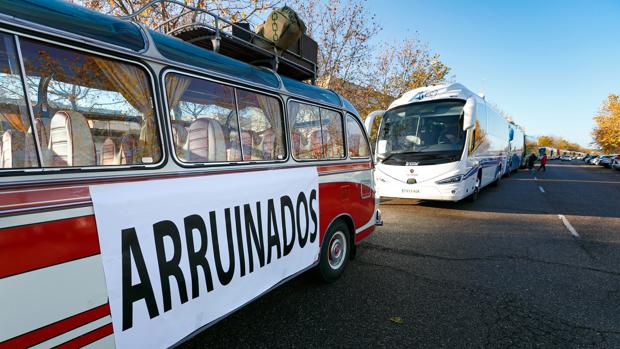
{"x": 383, "y": 159}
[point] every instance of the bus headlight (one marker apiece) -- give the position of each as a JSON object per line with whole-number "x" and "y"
{"x": 450, "y": 180}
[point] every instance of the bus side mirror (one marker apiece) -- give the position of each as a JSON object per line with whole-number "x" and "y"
{"x": 370, "y": 120}
{"x": 469, "y": 113}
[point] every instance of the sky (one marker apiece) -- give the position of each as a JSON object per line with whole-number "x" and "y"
{"x": 548, "y": 63}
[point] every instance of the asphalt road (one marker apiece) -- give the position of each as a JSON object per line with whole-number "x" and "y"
{"x": 505, "y": 271}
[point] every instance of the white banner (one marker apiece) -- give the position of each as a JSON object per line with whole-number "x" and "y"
{"x": 180, "y": 253}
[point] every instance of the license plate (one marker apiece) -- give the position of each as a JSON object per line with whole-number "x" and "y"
{"x": 411, "y": 191}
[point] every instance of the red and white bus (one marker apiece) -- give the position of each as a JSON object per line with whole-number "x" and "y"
{"x": 150, "y": 187}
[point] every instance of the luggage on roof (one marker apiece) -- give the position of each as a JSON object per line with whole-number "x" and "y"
{"x": 282, "y": 28}
{"x": 280, "y": 44}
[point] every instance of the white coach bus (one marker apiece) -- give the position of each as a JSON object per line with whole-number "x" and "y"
{"x": 441, "y": 142}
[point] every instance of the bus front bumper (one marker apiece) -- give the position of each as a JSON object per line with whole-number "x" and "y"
{"x": 443, "y": 192}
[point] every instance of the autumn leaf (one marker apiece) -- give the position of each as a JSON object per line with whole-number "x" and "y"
{"x": 397, "y": 320}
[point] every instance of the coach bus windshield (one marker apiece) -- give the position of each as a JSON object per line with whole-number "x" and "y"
{"x": 422, "y": 132}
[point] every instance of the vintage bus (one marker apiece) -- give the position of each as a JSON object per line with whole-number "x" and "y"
{"x": 439, "y": 142}
{"x": 150, "y": 187}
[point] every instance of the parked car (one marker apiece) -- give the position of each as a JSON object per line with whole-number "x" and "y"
{"x": 565, "y": 158}
{"x": 606, "y": 161}
{"x": 615, "y": 164}
{"x": 595, "y": 160}
{"x": 587, "y": 158}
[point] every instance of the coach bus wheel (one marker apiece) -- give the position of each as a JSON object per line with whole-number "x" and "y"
{"x": 474, "y": 195}
{"x": 334, "y": 252}
{"x": 499, "y": 178}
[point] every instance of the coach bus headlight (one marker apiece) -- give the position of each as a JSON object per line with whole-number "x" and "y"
{"x": 450, "y": 180}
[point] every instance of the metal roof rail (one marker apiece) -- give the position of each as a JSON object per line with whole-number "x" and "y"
{"x": 209, "y": 30}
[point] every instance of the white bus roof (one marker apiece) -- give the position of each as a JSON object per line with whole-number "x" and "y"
{"x": 427, "y": 93}
{"x": 441, "y": 91}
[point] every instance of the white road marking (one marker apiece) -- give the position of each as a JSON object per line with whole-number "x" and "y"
{"x": 535, "y": 178}
{"x": 541, "y": 189}
{"x": 569, "y": 226}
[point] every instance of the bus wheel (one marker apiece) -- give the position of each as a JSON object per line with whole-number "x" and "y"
{"x": 474, "y": 195}
{"x": 499, "y": 178}
{"x": 334, "y": 252}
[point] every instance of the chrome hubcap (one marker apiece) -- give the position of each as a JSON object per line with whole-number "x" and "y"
{"x": 337, "y": 250}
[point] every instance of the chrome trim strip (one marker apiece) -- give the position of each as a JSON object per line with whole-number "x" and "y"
{"x": 37, "y": 141}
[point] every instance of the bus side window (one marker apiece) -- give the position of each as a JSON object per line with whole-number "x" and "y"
{"x": 333, "y": 135}
{"x": 94, "y": 111}
{"x": 358, "y": 147}
{"x": 16, "y": 136}
{"x": 305, "y": 126}
{"x": 262, "y": 131}
{"x": 203, "y": 119}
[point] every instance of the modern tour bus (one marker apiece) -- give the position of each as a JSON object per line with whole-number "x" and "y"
{"x": 552, "y": 153}
{"x": 440, "y": 142}
{"x": 149, "y": 187}
{"x": 517, "y": 148}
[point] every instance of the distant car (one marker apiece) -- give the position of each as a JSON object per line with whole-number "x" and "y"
{"x": 595, "y": 160}
{"x": 616, "y": 163}
{"x": 565, "y": 158}
{"x": 605, "y": 161}
{"x": 587, "y": 158}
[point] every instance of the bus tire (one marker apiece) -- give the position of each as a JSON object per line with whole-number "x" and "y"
{"x": 474, "y": 195}
{"x": 499, "y": 178}
{"x": 335, "y": 252}
{"x": 509, "y": 172}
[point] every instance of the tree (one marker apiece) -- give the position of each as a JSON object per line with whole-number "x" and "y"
{"x": 560, "y": 143}
{"x": 166, "y": 16}
{"x": 546, "y": 141}
{"x": 405, "y": 66}
{"x": 606, "y": 133}
{"x": 370, "y": 77}
{"x": 343, "y": 29}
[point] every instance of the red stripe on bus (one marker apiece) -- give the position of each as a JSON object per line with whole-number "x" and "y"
{"x": 35, "y": 246}
{"x": 364, "y": 234}
{"x": 23, "y": 197}
{"x": 87, "y": 338}
{"x": 345, "y": 167}
{"x": 57, "y": 328}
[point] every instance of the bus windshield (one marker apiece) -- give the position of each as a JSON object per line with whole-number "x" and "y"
{"x": 422, "y": 131}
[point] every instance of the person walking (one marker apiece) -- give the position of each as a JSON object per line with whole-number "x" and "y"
{"x": 543, "y": 163}
{"x": 530, "y": 162}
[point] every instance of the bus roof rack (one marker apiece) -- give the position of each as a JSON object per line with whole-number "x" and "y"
{"x": 236, "y": 40}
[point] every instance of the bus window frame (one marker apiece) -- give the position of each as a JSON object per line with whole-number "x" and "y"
{"x": 356, "y": 119}
{"x": 320, "y": 106}
{"x": 170, "y": 69}
{"x": 97, "y": 168}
